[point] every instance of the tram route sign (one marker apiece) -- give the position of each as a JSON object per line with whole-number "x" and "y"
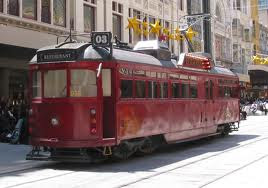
{"x": 58, "y": 55}
{"x": 101, "y": 39}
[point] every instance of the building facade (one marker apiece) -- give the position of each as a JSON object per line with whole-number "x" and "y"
{"x": 222, "y": 32}
{"x": 26, "y": 25}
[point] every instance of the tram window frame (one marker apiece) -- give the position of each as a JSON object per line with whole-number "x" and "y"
{"x": 130, "y": 91}
{"x": 152, "y": 89}
{"x": 175, "y": 90}
{"x": 184, "y": 90}
{"x": 140, "y": 92}
{"x": 36, "y": 84}
{"x": 193, "y": 91}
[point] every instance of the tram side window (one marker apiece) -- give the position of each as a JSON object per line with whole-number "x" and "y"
{"x": 221, "y": 91}
{"x": 140, "y": 89}
{"x": 193, "y": 91}
{"x": 36, "y": 84}
{"x": 55, "y": 83}
{"x": 83, "y": 83}
{"x": 235, "y": 92}
{"x": 152, "y": 89}
{"x": 185, "y": 90}
{"x": 175, "y": 90}
{"x": 227, "y": 91}
{"x": 126, "y": 88}
{"x": 164, "y": 90}
{"x": 207, "y": 89}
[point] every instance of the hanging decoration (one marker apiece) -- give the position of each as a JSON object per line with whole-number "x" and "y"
{"x": 134, "y": 24}
{"x": 145, "y": 28}
{"x": 257, "y": 60}
{"x": 155, "y": 28}
{"x": 190, "y": 33}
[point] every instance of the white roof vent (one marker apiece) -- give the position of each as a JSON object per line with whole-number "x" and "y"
{"x": 155, "y": 48}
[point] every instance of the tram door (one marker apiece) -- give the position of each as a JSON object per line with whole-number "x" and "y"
{"x": 108, "y": 103}
{"x": 209, "y": 103}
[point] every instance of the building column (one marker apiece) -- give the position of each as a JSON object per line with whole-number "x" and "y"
{"x": 108, "y": 16}
{"x": 4, "y": 82}
{"x": 100, "y": 16}
{"x": 39, "y": 10}
{"x": 79, "y": 16}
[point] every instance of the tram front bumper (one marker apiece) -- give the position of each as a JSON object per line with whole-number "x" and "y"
{"x": 38, "y": 154}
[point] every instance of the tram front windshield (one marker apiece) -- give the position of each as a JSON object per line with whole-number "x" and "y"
{"x": 82, "y": 83}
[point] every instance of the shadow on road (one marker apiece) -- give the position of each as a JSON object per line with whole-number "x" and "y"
{"x": 164, "y": 156}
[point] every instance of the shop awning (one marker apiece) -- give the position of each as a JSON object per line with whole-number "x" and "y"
{"x": 258, "y": 67}
{"x": 243, "y": 77}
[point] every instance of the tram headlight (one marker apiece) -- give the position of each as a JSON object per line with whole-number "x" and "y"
{"x": 55, "y": 122}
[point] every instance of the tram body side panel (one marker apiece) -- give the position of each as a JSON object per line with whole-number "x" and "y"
{"x": 226, "y": 110}
{"x": 144, "y": 118}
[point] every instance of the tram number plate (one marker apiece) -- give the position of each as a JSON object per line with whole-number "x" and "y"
{"x": 101, "y": 39}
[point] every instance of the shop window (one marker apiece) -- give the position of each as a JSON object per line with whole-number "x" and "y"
{"x": 152, "y": 89}
{"x": 117, "y": 26}
{"x": 164, "y": 90}
{"x": 59, "y": 12}
{"x": 45, "y": 11}
{"x": 36, "y": 84}
{"x": 140, "y": 89}
{"x": 106, "y": 82}
{"x": 185, "y": 90}
{"x": 193, "y": 91}
{"x": 126, "y": 88}
{"x": 83, "y": 83}
{"x": 89, "y": 18}
{"x": 1, "y": 6}
{"x": 13, "y": 7}
{"x": 175, "y": 90}
{"x": 29, "y": 9}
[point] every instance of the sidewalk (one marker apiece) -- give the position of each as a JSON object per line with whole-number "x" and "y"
{"x": 12, "y": 157}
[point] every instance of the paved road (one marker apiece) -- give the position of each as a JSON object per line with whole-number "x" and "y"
{"x": 239, "y": 160}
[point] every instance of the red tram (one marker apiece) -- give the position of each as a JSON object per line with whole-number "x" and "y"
{"x": 92, "y": 101}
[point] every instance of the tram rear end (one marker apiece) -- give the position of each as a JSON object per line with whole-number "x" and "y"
{"x": 66, "y": 106}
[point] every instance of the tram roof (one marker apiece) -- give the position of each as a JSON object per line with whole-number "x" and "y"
{"x": 85, "y": 51}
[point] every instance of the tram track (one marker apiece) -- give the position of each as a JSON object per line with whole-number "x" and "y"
{"x": 45, "y": 166}
{"x": 199, "y": 160}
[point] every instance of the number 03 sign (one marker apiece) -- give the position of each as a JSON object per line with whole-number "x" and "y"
{"x": 101, "y": 39}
